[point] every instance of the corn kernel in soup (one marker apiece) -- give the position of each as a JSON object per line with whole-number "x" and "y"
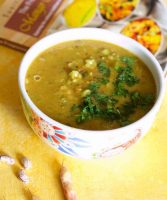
{"x": 91, "y": 85}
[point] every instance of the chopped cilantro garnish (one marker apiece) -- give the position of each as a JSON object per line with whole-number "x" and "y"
{"x": 94, "y": 86}
{"x": 125, "y": 77}
{"x": 120, "y": 89}
{"x": 127, "y": 60}
{"x": 88, "y": 110}
{"x": 103, "y": 69}
{"x": 104, "y": 81}
{"x": 97, "y": 104}
{"x": 141, "y": 100}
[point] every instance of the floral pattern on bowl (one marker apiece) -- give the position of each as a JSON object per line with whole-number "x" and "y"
{"x": 67, "y": 142}
{"x": 52, "y": 135}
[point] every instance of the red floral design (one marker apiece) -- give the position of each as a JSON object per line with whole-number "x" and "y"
{"x": 53, "y": 133}
{"x": 130, "y": 142}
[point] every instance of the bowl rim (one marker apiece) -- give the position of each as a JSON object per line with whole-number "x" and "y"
{"x": 24, "y": 94}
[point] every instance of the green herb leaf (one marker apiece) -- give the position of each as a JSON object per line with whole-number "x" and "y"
{"x": 94, "y": 86}
{"x": 103, "y": 69}
{"x": 125, "y": 76}
{"x": 104, "y": 81}
{"x": 120, "y": 89}
{"x": 144, "y": 100}
{"x": 100, "y": 105}
{"x": 128, "y": 61}
{"x": 88, "y": 110}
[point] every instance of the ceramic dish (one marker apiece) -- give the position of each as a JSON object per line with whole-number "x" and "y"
{"x": 147, "y": 32}
{"x": 85, "y": 143}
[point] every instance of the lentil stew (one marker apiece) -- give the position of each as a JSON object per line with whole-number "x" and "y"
{"x": 91, "y": 85}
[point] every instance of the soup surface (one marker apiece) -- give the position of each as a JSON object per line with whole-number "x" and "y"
{"x": 91, "y": 85}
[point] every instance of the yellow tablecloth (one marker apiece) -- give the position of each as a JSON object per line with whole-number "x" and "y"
{"x": 140, "y": 173}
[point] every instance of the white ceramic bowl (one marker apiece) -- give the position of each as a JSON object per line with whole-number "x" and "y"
{"x": 85, "y": 143}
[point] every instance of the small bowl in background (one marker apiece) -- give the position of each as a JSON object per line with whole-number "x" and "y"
{"x": 147, "y": 32}
{"x": 113, "y": 11}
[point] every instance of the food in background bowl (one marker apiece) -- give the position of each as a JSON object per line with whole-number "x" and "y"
{"x": 145, "y": 31}
{"x": 79, "y": 13}
{"x": 91, "y": 85}
{"x": 78, "y": 142}
{"x": 115, "y": 10}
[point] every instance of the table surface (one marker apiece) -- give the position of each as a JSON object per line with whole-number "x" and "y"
{"x": 140, "y": 173}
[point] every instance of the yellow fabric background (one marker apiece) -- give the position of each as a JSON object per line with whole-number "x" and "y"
{"x": 140, "y": 173}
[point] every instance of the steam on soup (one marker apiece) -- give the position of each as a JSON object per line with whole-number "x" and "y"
{"x": 91, "y": 85}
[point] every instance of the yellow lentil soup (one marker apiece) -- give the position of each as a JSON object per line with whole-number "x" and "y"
{"x": 90, "y": 85}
